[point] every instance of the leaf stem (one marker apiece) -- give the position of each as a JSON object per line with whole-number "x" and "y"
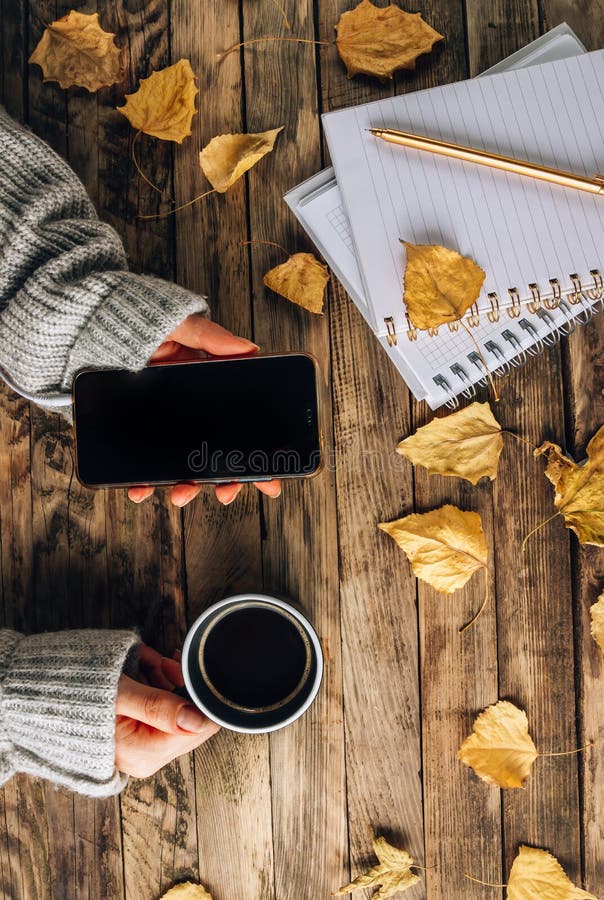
{"x": 259, "y": 40}
{"x": 138, "y": 168}
{"x": 482, "y": 359}
{"x": 268, "y": 243}
{"x": 570, "y": 752}
{"x": 518, "y": 437}
{"x": 282, "y": 11}
{"x": 177, "y": 208}
{"x": 484, "y": 603}
{"x": 485, "y": 883}
{"x": 537, "y": 528}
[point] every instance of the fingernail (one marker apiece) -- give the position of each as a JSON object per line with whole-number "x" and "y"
{"x": 190, "y": 719}
{"x": 251, "y": 344}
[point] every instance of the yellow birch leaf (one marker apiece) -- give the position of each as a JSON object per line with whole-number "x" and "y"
{"x": 393, "y": 873}
{"x": 440, "y": 284}
{"x": 500, "y": 749}
{"x": 597, "y": 621}
{"x": 466, "y": 443}
{"x": 537, "y": 875}
{"x": 228, "y": 156}
{"x": 187, "y": 890}
{"x": 579, "y": 489}
{"x": 75, "y": 50}
{"x": 445, "y": 546}
{"x": 301, "y": 279}
{"x": 374, "y": 40}
{"x": 164, "y": 104}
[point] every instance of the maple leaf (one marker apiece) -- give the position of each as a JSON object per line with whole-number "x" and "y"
{"x": 393, "y": 873}
{"x": 225, "y": 159}
{"x": 301, "y": 279}
{"x": 537, "y": 875}
{"x": 75, "y": 50}
{"x": 467, "y": 444}
{"x": 164, "y": 104}
{"x": 440, "y": 284}
{"x": 597, "y": 621}
{"x": 186, "y": 890}
{"x": 500, "y": 749}
{"x": 445, "y": 546}
{"x": 579, "y": 488}
{"x": 374, "y": 40}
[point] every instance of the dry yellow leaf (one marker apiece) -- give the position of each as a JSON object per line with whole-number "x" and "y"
{"x": 537, "y": 875}
{"x": 445, "y": 546}
{"x": 164, "y": 104}
{"x": 597, "y": 621}
{"x": 301, "y": 279}
{"x": 579, "y": 489}
{"x": 466, "y": 443}
{"x": 187, "y": 890}
{"x": 393, "y": 873}
{"x": 440, "y": 284}
{"x": 500, "y": 749}
{"x": 377, "y": 41}
{"x": 75, "y": 50}
{"x": 225, "y": 159}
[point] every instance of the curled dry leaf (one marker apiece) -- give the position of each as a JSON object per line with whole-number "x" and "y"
{"x": 440, "y": 284}
{"x": 164, "y": 104}
{"x": 579, "y": 489}
{"x": 597, "y": 621}
{"x": 225, "y": 159}
{"x": 377, "y": 41}
{"x": 393, "y": 873}
{"x": 500, "y": 749}
{"x": 537, "y": 875}
{"x": 187, "y": 890}
{"x": 445, "y": 546}
{"x": 466, "y": 444}
{"x": 75, "y": 50}
{"x": 301, "y": 279}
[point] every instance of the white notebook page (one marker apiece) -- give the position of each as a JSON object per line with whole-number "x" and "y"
{"x": 519, "y": 230}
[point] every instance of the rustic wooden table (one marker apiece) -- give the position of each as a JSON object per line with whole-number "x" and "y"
{"x": 290, "y": 817}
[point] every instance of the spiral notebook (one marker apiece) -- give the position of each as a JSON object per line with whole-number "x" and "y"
{"x": 538, "y": 243}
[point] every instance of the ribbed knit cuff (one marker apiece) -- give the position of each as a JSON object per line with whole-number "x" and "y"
{"x": 57, "y": 707}
{"x": 134, "y": 314}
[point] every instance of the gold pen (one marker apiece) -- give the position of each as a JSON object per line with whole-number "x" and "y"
{"x": 594, "y": 185}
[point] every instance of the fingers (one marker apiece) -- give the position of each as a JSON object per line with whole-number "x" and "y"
{"x": 172, "y": 669}
{"x": 139, "y": 493}
{"x": 226, "y": 493}
{"x": 181, "y": 494}
{"x": 202, "y": 334}
{"x": 158, "y": 708}
{"x": 270, "y": 488}
{"x": 159, "y": 671}
{"x": 141, "y": 751}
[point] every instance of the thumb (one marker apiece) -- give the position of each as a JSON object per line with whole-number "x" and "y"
{"x": 160, "y": 709}
{"x": 202, "y": 334}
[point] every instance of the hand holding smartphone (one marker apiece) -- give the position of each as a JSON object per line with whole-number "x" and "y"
{"x": 211, "y": 420}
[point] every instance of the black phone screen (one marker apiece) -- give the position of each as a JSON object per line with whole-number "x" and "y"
{"x": 239, "y": 419}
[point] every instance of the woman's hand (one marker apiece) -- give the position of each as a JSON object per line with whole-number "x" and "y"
{"x": 154, "y": 726}
{"x": 197, "y": 334}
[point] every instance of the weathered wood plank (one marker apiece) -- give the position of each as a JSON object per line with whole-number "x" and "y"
{"x": 300, "y": 543}
{"x": 378, "y": 593}
{"x": 534, "y": 598}
{"x": 222, "y": 545}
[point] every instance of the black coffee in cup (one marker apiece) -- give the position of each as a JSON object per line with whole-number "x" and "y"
{"x": 252, "y": 662}
{"x": 255, "y": 658}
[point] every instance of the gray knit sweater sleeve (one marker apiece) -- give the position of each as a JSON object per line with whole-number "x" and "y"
{"x": 57, "y": 707}
{"x": 67, "y": 299}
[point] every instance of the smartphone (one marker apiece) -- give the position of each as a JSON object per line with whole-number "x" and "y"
{"x": 212, "y": 420}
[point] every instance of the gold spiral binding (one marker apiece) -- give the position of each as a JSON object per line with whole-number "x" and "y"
{"x": 534, "y": 304}
{"x": 574, "y": 296}
{"x": 515, "y": 309}
{"x": 494, "y": 312}
{"x": 411, "y": 329}
{"x": 433, "y": 331}
{"x": 597, "y": 292}
{"x": 473, "y": 317}
{"x": 390, "y": 331}
{"x": 453, "y": 326}
{"x": 554, "y": 301}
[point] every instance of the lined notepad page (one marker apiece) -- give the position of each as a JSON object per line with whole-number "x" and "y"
{"x": 519, "y": 230}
